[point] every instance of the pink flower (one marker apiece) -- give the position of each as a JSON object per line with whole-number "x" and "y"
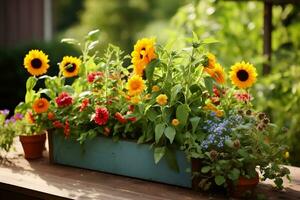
{"x": 244, "y": 97}
{"x": 101, "y": 116}
{"x": 64, "y": 99}
{"x": 94, "y": 75}
{"x": 120, "y": 118}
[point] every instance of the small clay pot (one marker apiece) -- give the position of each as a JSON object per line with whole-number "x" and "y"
{"x": 33, "y": 145}
{"x": 244, "y": 187}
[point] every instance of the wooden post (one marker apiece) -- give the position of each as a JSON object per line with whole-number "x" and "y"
{"x": 267, "y": 48}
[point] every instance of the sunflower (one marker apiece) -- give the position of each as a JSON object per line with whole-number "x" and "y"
{"x": 70, "y": 66}
{"x": 36, "y": 62}
{"x": 243, "y": 75}
{"x": 40, "y": 105}
{"x": 135, "y": 85}
{"x": 143, "y": 53}
{"x": 218, "y": 74}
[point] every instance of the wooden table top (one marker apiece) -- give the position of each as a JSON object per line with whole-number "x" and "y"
{"x": 73, "y": 183}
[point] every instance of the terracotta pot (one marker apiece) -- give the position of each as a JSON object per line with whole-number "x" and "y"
{"x": 33, "y": 145}
{"x": 244, "y": 187}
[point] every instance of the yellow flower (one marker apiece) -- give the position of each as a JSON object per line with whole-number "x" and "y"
{"x": 219, "y": 113}
{"x": 155, "y": 88}
{"x": 143, "y": 53}
{"x": 36, "y": 62}
{"x": 29, "y": 117}
{"x": 147, "y": 96}
{"x": 162, "y": 99}
{"x": 243, "y": 75}
{"x": 40, "y": 105}
{"x": 135, "y": 100}
{"x": 218, "y": 73}
{"x": 211, "y": 62}
{"x": 135, "y": 85}
{"x": 213, "y": 108}
{"x": 138, "y": 69}
{"x": 70, "y": 66}
{"x": 175, "y": 122}
{"x": 286, "y": 155}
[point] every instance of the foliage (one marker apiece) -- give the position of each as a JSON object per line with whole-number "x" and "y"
{"x": 7, "y": 128}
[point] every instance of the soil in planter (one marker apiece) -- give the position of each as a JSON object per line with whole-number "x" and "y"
{"x": 33, "y": 145}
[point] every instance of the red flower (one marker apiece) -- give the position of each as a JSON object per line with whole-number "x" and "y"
{"x": 101, "y": 116}
{"x": 94, "y": 75}
{"x": 57, "y": 124}
{"x": 133, "y": 119}
{"x": 64, "y": 99}
{"x": 67, "y": 129}
{"x": 244, "y": 97}
{"x": 84, "y": 104}
{"x": 120, "y": 118}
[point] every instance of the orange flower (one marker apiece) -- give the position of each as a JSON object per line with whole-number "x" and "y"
{"x": 51, "y": 116}
{"x": 162, "y": 99}
{"x": 40, "y": 105}
{"x": 175, "y": 122}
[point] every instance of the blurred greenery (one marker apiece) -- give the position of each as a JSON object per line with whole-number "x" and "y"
{"x": 237, "y": 25}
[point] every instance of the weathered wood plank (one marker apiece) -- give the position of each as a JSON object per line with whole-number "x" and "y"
{"x": 39, "y": 178}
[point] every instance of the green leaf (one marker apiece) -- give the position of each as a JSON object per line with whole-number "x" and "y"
{"x": 205, "y": 169}
{"x": 171, "y": 160}
{"x": 151, "y": 114}
{"x": 174, "y": 91}
{"x": 194, "y": 88}
{"x": 69, "y": 41}
{"x": 209, "y": 41}
{"x": 159, "y": 130}
{"x": 93, "y": 35}
{"x": 194, "y": 121}
{"x": 209, "y": 84}
{"x": 170, "y": 133}
{"x": 182, "y": 113}
{"x": 219, "y": 180}
{"x": 150, "y": 69}
{"x": 159, "y": 152}
{"x": 30, "y": 83}
{"x": 234, "y": 174}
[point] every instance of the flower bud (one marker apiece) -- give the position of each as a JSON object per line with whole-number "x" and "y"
{"x": 237, "y": 143}
{"x": 213, "y": 154}
{"x": 248, "y": 112}
{"x": 261, "y": 116}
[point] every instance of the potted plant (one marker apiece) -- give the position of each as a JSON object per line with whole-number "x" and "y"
{"x": 31, "y": 129}
{"x": 236, "y": 148}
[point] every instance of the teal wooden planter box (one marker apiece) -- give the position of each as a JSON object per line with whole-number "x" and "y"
{"x": 122, "y": 158}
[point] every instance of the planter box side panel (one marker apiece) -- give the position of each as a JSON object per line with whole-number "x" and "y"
{"x": 122, "y": 157}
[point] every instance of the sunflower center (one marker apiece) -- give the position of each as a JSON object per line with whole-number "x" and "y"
{"x": 40, "y": 105}
{"x": 70, "y": 67}
{"x": 36, "y": 63}
{"x": 242, "y": 75}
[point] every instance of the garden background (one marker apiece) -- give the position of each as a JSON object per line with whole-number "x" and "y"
{"x": 237, "y": 25}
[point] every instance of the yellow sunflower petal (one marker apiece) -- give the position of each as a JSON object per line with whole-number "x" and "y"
{"x": 36, "y": 62}
{"x": 70, "y": 66}
{"x": 243, "y": 75}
